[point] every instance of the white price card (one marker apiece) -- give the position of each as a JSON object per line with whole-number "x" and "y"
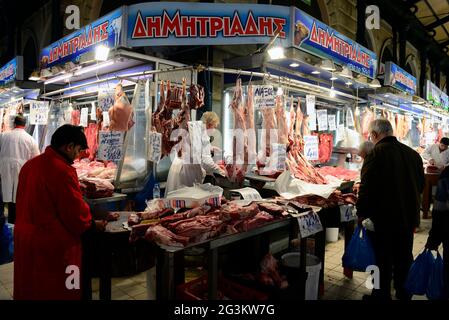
{"x": 349, "y": 118}
{"x": 263, "y": 97}
{"x": 154, "y": 150}
{"x": 309, "y": 223}
{"x": 68, "y": 116}
{"x": 84, "y": 117}
{"x": 279, "y": 152}
{"x": 110, "y": 146}
{"x": 106, "y": 99}
{"x": 347, "y": 213}
{"x": 248, "y": 194}
{"x": 311, "y": 147}
{"x": 322, "y": 120}
{"x": 105, "y": 119}
{"x": 331, "y": 122}
{"x": 310, "y": 104}
{"x": 196, "y": 131}
{"x": 39, "y": 112}
{"x": 93, "y": 112}
{"x": 312, "y": 122}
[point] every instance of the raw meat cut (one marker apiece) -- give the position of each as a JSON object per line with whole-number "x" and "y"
{"x": 269, "y": 267}
{"x": 281, "y": 121}
{"x": 196, "y": 97}
{"x": 325, "y": 147}
{"x": 91, "y": 133}
{"x": 236, "y": 170}
{"x": 258, "y": 220}
{"x": 232, "y": 211}
{"x": 367, "y": 118}
{"x": 94, "y": 188}
{"x": 163, "y": 236}
{"x": 76, "y": 116}
{"x": 250, "y": 126}
{"x": 271, "y": 208}
{"x": 133, "y": 219}
{"x": 121, "y": 113}
{"x": 340, "y": 173}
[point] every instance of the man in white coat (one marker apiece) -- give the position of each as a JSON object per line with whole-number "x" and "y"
{"x": 438, "y": 154}
{"x": 16, "y": 148}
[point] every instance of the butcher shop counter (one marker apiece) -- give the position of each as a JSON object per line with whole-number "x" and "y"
{"x": 107, "y": 254}
{"x": 167, "y": 261}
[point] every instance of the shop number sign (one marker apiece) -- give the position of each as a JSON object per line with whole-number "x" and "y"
{"x": 154, "y": 152}
{"x": 39, "y": 113}
{"x": 248, "y": 193}
{"x": 311, "y": 147}
{"x": 309, "y": 223}
{"x": 347, "y": 213}
{"x": 263, "y": 97}
{"x": 110, "y": 146}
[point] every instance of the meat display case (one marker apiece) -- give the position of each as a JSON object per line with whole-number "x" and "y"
{"x": 138, "y": 74}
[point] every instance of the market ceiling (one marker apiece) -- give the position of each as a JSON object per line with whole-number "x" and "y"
{"x": 427, "y": 24}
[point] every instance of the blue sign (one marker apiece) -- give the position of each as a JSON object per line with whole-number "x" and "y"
{"x": 179, "y": 23}
{"x": 106, "y": 31}
{"x": 315, "y": 37}
{"x": 399, "y": 78}
{"x": 11, "y": 71}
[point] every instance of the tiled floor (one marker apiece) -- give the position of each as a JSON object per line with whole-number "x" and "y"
{"x": 336, "y": 285}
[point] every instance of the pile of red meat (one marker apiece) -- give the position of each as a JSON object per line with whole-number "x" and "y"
{"x": 335, "y": 199}
{"x": 340, "y": 173}
{"x": 93, "y": 188}
{"x": 95, "y": 169}
{"x": 202, "y": 223}
{"x": 325, "y": 147}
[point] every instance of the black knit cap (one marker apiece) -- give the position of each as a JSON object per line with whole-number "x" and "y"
{"x": 67, "y": 134}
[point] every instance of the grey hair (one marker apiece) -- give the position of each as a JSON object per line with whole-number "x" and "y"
{"x": 366, "y": 147}
{"x": 381, "y": 126}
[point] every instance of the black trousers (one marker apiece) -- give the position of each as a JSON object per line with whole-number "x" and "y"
{"x": 394, "y": 256}
{"x": 439, "y": 234}
{"x": 11, "y": 212}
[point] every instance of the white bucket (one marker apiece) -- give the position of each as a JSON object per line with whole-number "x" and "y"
{"x": 313, "y": 268}
{"x": 151, "y": 284}
{"x": 332, "y": 234}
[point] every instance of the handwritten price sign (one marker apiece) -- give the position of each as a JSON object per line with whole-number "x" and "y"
{"x": 309, "y": 223}
{"x": 105, "y": 99}
{"x": 311, "y": 147}
{"x": 110, "y": 146}
{"x": 263, "y": 97}
{"x": 39, "y": 112}
{"x": 347, "y": 213}
{"x": 154, "y": 150}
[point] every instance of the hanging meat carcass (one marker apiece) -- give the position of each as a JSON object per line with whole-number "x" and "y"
{"x": 196, "y": 97}
{"x": 299, "y": 141}
{"x": 325, "y": 147}
{"x": 237, "y": 169}
{"x": 367, "y": 118}
{"x": 250, "y": 126}
{"x": 121, "y": 113}
{"x": 281, "y": 121}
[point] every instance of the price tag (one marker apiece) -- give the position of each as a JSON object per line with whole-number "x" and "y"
{"x": 196, "y": 131}
{"x": 349, "y": 118}
{"x": 347, "y": 213}
{"x": 310, "y": 104}
{"x": 311, "y": 147}
{"x": 154, "y": 150}
{"x": 106, "y": 99}
{"x": 84, "y": 117}
{"x": 39, "y": 112}
{"x": 93, "y": 112}
{"x": 105, "y": 119}
{"x": 322, "y": 120}
{"x": 309, "y": 223}
{"x": 68, "y": 116}
{"x": 279, "y": 152}
{"x": 312, "y": 122}
{"x": 110, "y": 146}
{"x": 248, "y": 194}
{"x": 263, "y": 97}
{"x": 340, "y": 132}
{"x": 332, "y": 123}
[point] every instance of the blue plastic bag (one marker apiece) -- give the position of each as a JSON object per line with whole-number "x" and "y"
{"x": 419, "y": 273}
{"x": 359, "y": 253}
{"x": 6, "y": 244}
{"x": 435, "y": 288}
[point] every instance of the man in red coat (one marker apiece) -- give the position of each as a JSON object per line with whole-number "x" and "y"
{"x": 51, "y": 216}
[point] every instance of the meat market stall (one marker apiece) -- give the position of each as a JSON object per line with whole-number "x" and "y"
{"x": 18, "y": 96}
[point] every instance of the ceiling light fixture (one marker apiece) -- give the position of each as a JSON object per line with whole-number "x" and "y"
{"x": 59, "y": 78}
{"x": 294, "y": 65}
{"x": 101, "y": 53}
{"x": 276, "y": 53}
{"x": 375, "y": 84}
{"x": 316, "y": 72}
{"x": 93, "y": 68}
{"x": 328, "y": 65}
{"x": 346, "y": 73}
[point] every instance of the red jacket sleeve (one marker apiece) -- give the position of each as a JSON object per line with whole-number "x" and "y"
{"x": 72, "y": 209}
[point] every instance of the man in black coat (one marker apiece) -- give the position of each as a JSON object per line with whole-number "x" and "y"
{"x": 392, "y": 180}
